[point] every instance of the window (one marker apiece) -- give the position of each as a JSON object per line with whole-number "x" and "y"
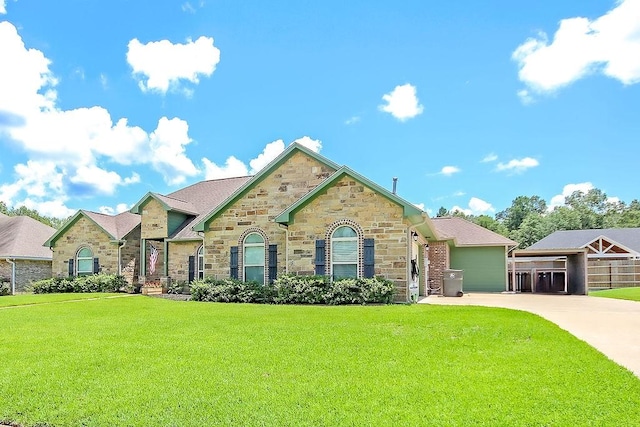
{"x": 84, "y": 262}
{"x": 344, "y": 253}
{"x": 201, "y": 262}
{"x": 253, "y": 258}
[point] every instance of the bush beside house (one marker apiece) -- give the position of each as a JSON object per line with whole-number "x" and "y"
{"x": 292, "y": 289}
{"x": 80, "y": 284}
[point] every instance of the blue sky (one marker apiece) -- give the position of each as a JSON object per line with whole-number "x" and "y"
{"x": 470, "y": 104}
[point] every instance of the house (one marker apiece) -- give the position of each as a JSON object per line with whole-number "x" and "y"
{"x": 479, "y": 252}
{"x": 301, "y": 214}
{"x": 91, "y": 242}
{"x": 22, "y": 257}
{"x": 613, "y": 254}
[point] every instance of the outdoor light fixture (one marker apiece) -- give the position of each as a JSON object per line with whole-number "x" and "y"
{"x": 415, "y": 236}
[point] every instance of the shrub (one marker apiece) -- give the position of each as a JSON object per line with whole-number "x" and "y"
{"x": 5, "y": 289}
{"x": 82, "y": 284}
{"x": 291, "y": 289}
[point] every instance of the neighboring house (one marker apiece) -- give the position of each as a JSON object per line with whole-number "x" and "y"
{"x": 479, "y": 252}
{"x": 22, "y": 257}
{"x": 91, "y": 242}
{"x": 302, "y": 214}
{"x": 613, "y": 254}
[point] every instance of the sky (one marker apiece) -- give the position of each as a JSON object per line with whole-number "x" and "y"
{"x": 469, "y": 104}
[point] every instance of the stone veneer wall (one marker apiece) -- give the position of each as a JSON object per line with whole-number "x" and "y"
{"x": 154, "y": 221}
{"x": 377, "y": 216}
{"x": 131, "y": 252}
{"x": 179, "y": 253}
{"x": 438, "y": 262}
{"x": 84, "y": 233}
{"x": 294, "y": 178}
{"x": 5, "y": 270}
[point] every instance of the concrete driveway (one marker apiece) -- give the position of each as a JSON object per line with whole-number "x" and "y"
{"x": 612, "y": 326}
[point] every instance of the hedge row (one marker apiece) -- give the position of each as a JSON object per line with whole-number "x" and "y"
{"x": 290, "y": 289}
{"x": 93, "y": 283}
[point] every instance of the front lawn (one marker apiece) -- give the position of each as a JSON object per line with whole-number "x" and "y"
{"x": 141, "y": 361}
{"x": 26, "y": 299}
{"x": 632, "y": 294}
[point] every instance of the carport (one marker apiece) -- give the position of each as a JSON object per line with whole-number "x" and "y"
{"x": 559, "y": 271}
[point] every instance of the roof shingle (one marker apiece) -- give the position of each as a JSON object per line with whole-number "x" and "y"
{"x": 466, "y": 233}
{"x": 22, "y": 237}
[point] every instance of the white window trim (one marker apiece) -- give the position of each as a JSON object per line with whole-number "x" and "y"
{"x": 78, "y": 258}
{"x": 246, "y": 245}
{"x": 355, "y": 239}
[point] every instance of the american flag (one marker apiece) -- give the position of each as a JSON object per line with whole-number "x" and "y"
{"x": 153, "y": 258}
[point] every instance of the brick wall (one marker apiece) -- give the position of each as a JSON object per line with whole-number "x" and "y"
{"x": 154, "y": 221}
{"x": 84, "y": 233}
{"x": 294, "y": 178}
{"x": 27, "y": 271}
{"x": 438, "y": 262}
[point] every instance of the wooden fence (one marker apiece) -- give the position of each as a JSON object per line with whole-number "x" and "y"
{"x": 619, "y": 273}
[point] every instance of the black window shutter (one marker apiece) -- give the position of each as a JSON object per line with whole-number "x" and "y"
{"x": 71, "y": 262}
{"x": 192, "y": 268}
{"x": 320, "y": 258}
{"x": 369, "y": 256}
{"x": 273, "y": 262}
{"x": 234, "y": 263}
{"x": 96, "y": 266}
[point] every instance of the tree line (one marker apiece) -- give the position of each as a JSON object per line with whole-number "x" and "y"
{"x": 32, "y": 213}
{"x": 529, "y": 218}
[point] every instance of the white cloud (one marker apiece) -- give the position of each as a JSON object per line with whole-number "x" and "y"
{"x": 104, "y": 81}
{"x": 74, "y": 140}
{"x": 419, "y": 206}
{"x": 609, "y": 45}
{"x": 162, "y": 66}
{"x": 108, "y": 210}
{"x": 352, "y": 120}
{"x": 517, "y": 165}
{"x": 476, "y": 207}
{"x": 167, "y": 144}
{"x": 232, "y": 168}
{"x": 3, "y": 7}
{"x": 449, "y": 170}
{"x": 402, "y": 103}
{"x": 567, "y": 190}
{"x": 491, "y": 157}
{"x": 53, "y": 208}
{"x": 310, "y": 143}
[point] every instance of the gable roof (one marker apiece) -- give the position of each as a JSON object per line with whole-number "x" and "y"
{"x": 259, "y": 177}
{"x": 115, "y": 226}
{"x": 22, "y": 237}
{"x": 573, "y": 239}
{"x": 204, "y": 196}
{"x": 410, "y": 211}
{"x": 168, "y": 203}
{"x": 465, "y": 233}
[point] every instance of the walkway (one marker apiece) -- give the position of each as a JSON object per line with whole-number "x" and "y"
{"x": 610, "y": 325}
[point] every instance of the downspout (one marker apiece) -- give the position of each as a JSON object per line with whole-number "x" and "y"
{"x": 124, "y": 243}
{"x": 410, "y": 231}
{"x": 13, "y": 276}
{"x": 286, "y": 247}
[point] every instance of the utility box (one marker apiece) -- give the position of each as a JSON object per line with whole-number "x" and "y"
{"x": 452, "y": 283}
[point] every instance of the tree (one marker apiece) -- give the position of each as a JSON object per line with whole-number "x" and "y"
{"x": 591, "y": 207}
{"x": 521, "y": 207}
{"x": 442, "y": 212}
{"x": 534, "y": 227}
{"x": 491, "y": 224}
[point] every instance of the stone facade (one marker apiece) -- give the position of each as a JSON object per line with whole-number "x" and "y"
{"x": 294, "y": 178}
{"x": 130, "y": 252}
{"x": 373, "y": 215}
{"x": 178, "y": 264}
{"x": 85, "y": 233}
{"x": 154, "y": 221}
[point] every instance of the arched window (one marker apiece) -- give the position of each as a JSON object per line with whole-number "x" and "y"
{"x": 253, "y": 258}
{"x": 344, "y": 253}
{"x": 201, "y": 262}
{"x": 84, "y": 262}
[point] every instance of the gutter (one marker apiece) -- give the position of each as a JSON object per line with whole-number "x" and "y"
{"x": 13, "y": 275}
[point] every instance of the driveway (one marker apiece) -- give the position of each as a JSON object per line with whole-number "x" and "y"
{"x": 612, "y": 326}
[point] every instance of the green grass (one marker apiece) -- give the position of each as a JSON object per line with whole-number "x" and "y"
{"x": 26, "y": 299}
{"x": 632, "y": 294}
{"x": 142, "y": 361}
